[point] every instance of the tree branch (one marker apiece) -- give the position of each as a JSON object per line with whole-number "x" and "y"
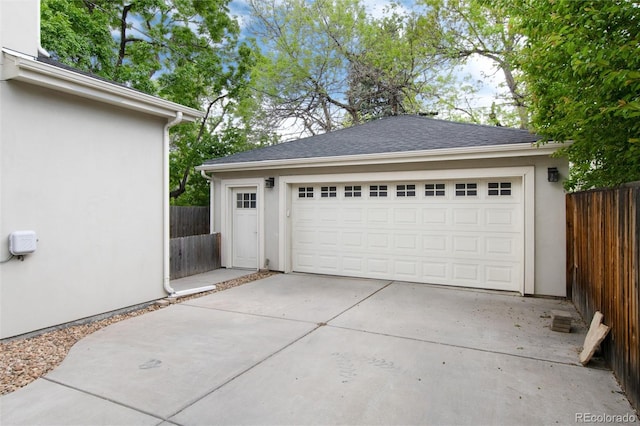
{"x": 182, "y": 185}
{"x": 123, "y": 34}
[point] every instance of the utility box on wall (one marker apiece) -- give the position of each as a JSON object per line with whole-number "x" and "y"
{"x": 22, "y": 242}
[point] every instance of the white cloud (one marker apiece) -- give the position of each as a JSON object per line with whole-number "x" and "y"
{"x": 377, "y": 8}
{"x": 241, "y": 10}
{"x": 490, "y": 79}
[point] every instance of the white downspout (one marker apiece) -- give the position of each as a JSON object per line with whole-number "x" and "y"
{"x": 166, "y": 251}
{"x": 166, "y": 240}
{"x": 211, "y": 199}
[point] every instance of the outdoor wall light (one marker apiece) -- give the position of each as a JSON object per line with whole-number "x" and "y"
{"x": 553, "y": 175}
{"x": 269, "y": 182}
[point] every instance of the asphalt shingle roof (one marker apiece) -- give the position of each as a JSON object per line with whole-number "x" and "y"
{"x": 392, "y": 134}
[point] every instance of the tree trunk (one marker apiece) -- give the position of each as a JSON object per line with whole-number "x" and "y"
{"x": 123, "y": 35}
{"x": 518, "y": 98}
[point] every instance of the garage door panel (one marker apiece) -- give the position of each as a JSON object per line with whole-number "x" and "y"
{"x": 377, "y": 240}
{"x": 435, "y": 272}
{"x": 305, "y": 215}
{"x": 466, "y": 272}
{"x": 329, "y": 239}
{"x": 435, "y": 244}
{"x": 378, "y": 216}
{"x": 405, "y": 242}
{"x": 466, "y": 216}
{"x": 329, "y": 216}
{"x": 305, "y": 238}
{"x": 500, "y": 246}
{"x": 435, "y": 216}
{"x": 499, "y": 275}
{"x": 353, "y": 240}
{"x": 405, "y": 216}
{"x": 305, "y": 260}
{"x": 408, "y": 269}
{"x": 465, "y": 245}
{"x": 352, "y": 215}
{"x": 328, "y": 264}
{"x": 378, "y": 266}
{"x": 501, "y": 217}
{"x": 473, "y": 241}
{"x": 353, "y": 265}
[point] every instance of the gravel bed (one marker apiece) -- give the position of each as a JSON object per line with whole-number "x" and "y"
{"x": 23, "y": 360}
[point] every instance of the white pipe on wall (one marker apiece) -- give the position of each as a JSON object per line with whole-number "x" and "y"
{"x": 166, "y": 222}
{"x": 211, "y": 200}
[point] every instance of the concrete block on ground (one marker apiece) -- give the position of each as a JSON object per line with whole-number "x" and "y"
{"x": 561, "y": 321}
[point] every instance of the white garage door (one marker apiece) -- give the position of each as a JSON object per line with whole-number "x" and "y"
{"x": 459, "y": 232}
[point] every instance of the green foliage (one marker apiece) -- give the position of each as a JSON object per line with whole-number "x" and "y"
{"x": 329, "y": 64}
{"x": 186, "y": 152}
{"x": 582, "y": 67}
{"x": 186, "y": 51}
{"x": 394, "y": 69}
{"x": 463, "y": 29}
{"x": 78, "y": 36}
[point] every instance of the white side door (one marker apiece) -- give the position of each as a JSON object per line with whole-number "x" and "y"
{"x": 245, "y": 228}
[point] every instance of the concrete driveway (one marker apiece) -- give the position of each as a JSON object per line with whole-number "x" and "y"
{"x": 302, "y": 349}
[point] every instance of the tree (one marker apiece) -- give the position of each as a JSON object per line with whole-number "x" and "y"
{"x": 76, "y": 36}
{"x": 328, "y": 63}
{"x": 395, "y": 71}
{"x": 186, "y": 51}
{"x": 582, "y": 66}
{"x": 461, "y": 29}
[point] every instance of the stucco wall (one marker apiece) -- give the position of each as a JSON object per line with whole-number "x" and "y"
{"x": 88, "y": 179}
{"x": 550, "y": 222}
{"x": 20, "y": 25}
{"x": 549, "y": 209}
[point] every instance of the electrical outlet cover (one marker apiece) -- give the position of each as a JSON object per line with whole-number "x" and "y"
{"x": 22, "y": 242}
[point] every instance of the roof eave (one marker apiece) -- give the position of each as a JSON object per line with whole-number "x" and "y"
{"x": 26, "y": 69}
{"x": 446, "y": 154}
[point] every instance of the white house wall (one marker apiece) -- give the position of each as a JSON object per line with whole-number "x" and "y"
{"x": 20, "y": 25}
{"x": 548, "y": 216}
{"x": 88, "y": 179}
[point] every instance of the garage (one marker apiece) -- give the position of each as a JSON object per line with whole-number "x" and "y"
{"x": 402, "y": 198}
{"x": 467, "y": 232}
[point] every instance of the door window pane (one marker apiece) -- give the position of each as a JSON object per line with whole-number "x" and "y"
{"x": 246, "y": 200}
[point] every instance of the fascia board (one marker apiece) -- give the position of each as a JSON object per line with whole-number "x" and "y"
{"x": 447, "y": 154}
{"x": 28, "y": 70}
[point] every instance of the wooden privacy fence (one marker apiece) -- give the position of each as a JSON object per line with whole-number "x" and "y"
{"x": 194, "y": 255}
{"x": 603, "y": 273}
{"x": 186, "y": 221}
{"x": 192, "y": 249}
